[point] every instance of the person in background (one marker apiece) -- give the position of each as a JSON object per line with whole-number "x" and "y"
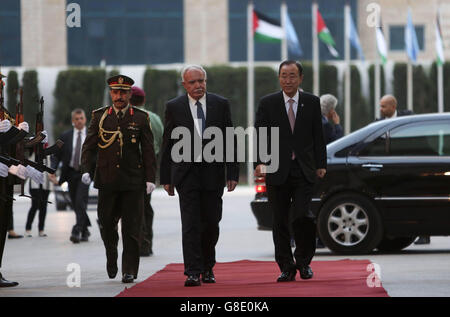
{"x": 38, "y": 202}
{"x": 70, "y": 156}
{"x": 332, "y": 128}
{"x": 138, "y": 100}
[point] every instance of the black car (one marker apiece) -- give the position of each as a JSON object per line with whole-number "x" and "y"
{"x": 386, "y": 184}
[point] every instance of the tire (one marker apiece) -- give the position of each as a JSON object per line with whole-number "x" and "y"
{"x": 395, "y": 244}
{"x": 350, "y": 224}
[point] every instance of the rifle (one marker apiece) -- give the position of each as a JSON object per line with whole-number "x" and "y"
{"x": 39, "y": 149}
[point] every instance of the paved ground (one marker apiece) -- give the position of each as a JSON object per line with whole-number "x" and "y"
{"x": 40, "y": 264}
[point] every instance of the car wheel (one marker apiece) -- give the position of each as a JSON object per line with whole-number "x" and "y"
{"x": 350, "y": 224}
{"x": 395, "y": 244}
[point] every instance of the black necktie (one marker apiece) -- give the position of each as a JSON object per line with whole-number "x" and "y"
{"x": 120, "y": 114}
{"x": 201, "y": 115}
{"x": 76, "y": 156}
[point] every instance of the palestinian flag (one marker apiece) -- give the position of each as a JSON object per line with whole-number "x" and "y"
{"x": 439, "y": 45}
{"x": 325, "y": 35}
{"x": 266, "y": 29}
{"x": 381, "y": 43}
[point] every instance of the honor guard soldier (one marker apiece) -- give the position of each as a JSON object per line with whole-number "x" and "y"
{"x": 118, "y": 155}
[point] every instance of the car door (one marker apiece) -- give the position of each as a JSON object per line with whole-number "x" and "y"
{"x": 408, "y": 170}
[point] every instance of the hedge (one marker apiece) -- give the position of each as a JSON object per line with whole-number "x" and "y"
{"x": 31, "y": 97}
{"x": 12, "y": 88}
{"x": 433, "y": 89}
{"x": 160, "y": 86}
{"x": 77, "y": 88}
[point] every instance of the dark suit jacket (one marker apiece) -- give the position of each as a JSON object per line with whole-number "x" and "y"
{"x": 307, "y": 141}
{"x": 178, "y": 114}
{"x": 64, "y": 155}
{"x": 111, "y": 169}
{"x": 331, "y": 132}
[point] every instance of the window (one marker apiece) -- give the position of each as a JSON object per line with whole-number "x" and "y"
{"x": 421, "y": 139}
{"x": 10, "y": 46}
{"x": 127, "y": 32}
{"x": 377, "y": 147}
{"x": 397, "y": 37}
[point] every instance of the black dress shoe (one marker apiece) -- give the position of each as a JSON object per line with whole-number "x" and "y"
{"x": 112, "y": 269}
{"x": 422, "y": 240}
{"x": 306, "y": 273}
{"x": 17, "y": 236}
{"x": 85, "y": 236}
{"x": 146, "y": 253}
{"x": 127, "y": 278}
{"x": 75, "y": 237}
{"x": 192, "y": 280}
{"x": 208, "y": 277}
{"x": 6, "y": 283}
{"x": 287, "y": 276}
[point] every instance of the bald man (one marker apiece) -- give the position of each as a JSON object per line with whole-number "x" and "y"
{"x": 388, "y": 108}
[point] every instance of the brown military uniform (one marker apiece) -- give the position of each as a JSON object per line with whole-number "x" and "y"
{"x": 118, "y": 153}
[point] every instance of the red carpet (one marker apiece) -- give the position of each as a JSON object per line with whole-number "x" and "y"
{"x": 345, "y": 278}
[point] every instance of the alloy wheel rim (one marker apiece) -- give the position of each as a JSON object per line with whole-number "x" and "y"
{"x": 348, "y": 224}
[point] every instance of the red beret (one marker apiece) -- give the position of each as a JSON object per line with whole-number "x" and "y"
{"x": 136, "y": 91}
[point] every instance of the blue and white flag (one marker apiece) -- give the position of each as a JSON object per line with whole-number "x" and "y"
{"x": 412, "y": 46}
{"x": 354, "y": 39}
{"x": 292, "y": 38}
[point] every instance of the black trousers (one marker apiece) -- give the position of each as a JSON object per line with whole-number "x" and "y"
{"x": 201, "y": 212}
{"x": 79, "y": 195}
{"x": 38, "y": 202}
{"x": 6, "y": 194}
{"x": 147, "y": 225}
{"x": 128, "y": 206}
{"x": 296, "y": 193}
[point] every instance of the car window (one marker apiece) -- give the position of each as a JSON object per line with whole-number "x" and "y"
{"x": 431, "y": 138}
{"x": 376, "y": 148}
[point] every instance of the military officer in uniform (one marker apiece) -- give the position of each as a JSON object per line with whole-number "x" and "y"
{"x": 118, "y": 155}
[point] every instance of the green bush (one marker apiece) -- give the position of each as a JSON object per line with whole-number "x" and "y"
{"x": 160, "y": 86}
{"x": 307, "y": 83}
{"x": 77, "y": 88}
{"x": 372, "y": 88}
{"x": 399, "y": 83}
{"x": 31, "y": 97}
{"x": 328, "y": 79}
{"x": 360, "y": 114}
{"x": 433, "y": 87}
{"x": 422, "y": 95}
{"x": 12, "y": 89}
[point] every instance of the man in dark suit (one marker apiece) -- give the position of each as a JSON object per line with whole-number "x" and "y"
{"x": 118, "y": 154}
{"x": 332, "y": 128}
{"x": 388, "y": 108}
{"x": 199, "y": 184}
{"x": 302, "y": 158}
{"x": 70, "y": 156}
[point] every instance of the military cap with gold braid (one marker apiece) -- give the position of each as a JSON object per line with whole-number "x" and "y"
{"x": 120, "y": 82}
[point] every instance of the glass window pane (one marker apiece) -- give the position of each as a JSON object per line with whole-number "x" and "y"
{"x": 376, "y": 148}
{"x": 421, "y": 139}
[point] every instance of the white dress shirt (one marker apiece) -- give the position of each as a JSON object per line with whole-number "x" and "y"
{"x": 294, "y": 106}
{"x": 193, "y": 108}
{"x": 74, "y": 143}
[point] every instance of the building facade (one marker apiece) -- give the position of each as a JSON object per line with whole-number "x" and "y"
{"x": 36, "y": 33}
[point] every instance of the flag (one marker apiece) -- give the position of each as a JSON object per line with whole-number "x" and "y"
{"x": 354, "y": 39}
{"x": 325, "y": 35}
{"x": 439, "y": 45}
{"x": 381, "y": 43}
{"x": 266, "y": 29}
{"x": 292, "y": 38}
{"x": 412, "y": 47}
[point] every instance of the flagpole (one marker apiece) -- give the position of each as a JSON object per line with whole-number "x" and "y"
{"x": 440, "y": 83}
{"x": 409, "y": 79}
{"x": 315, "y": 40}
{"x": 284, "y": 46}
{"x": 377, "y": 82}
{"x": 440, "y": 71}
{"x": 250, "y": 89}
{"x": 347, "y": 115}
